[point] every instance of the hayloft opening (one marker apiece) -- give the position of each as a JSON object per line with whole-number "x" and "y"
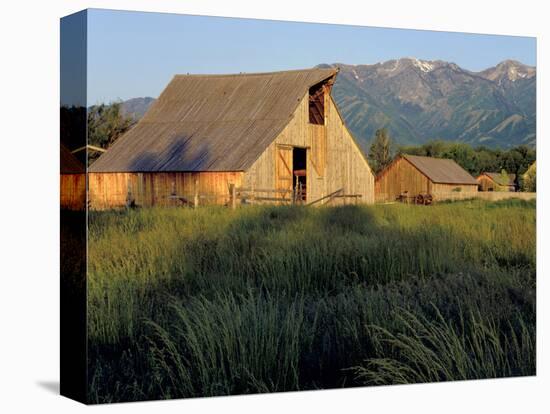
{"x": 299, "y": 173}
{"x": 317, "y": 104}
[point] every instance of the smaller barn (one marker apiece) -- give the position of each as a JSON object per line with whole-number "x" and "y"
{"x": 410, "y": 175}
{"x": 72, "y": 181}
{"x": 489, "y": 181}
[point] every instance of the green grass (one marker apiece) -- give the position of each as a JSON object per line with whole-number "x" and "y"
{"x": 213, "y": 302}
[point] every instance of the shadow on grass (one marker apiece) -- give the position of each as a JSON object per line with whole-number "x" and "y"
{"x": 309, "y": 279}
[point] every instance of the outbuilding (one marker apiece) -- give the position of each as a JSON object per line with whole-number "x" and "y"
{"x": 72, "y": 181}
{"x": 489, "y": 181}
{"x": 409, "y": 176}
{"x": 278, "y": 132}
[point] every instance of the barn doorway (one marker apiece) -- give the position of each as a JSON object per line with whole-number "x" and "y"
{"x": 299, "y": 173}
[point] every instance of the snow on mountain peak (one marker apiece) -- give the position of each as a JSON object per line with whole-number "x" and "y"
{"x": 509, "y": 69}
{"x": 423, "y": 65}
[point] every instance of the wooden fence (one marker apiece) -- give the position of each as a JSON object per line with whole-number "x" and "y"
{"x": 244, "y": 195}
{"x": 235, "y": 196}
{"x": 258, "y": 195}
{"x": 482, "y": 195}
{"x": 338, "y": 194}
{"x": 175, "y": 199}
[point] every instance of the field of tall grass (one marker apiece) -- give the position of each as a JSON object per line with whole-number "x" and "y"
{"x": 186, "y": 303}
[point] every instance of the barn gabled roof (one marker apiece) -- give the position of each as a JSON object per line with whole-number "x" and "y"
{"x": 69, "y": 164}
{"x": 211, "y": 122}
{"x": 497, "y": 178}
{"x": 441, "y": 170}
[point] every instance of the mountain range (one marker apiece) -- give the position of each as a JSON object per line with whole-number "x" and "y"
{"x": 136, "y": 107}
{"x": 420, "y": 100}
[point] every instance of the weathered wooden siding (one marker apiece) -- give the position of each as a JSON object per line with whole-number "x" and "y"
{"x": 399, "y": 177}
{"x": 110, "y": 190}
{"x": 73, "y": 191}
{"x": 442, "y": 192}
{"x": 487, "y": 184}
{"x": 318, "y": 140}
{"x": 334, "y": 160}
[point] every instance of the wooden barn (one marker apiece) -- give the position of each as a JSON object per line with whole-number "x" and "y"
{"x": 410, "y": 175}
{"x": 72, "y": 181}
{"x": 271, "y": 133}
{"x": 488, "y": 181}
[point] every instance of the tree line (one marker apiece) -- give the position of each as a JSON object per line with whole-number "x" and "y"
{"x": 475, "y": 160}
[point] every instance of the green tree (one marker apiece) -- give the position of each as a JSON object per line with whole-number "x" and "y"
{"x": 435, "y": 148}
{"x": 530, "y": 178}
{"x": 517, "y": 160}
{"x": 380, "y": 151}
{"x": 484, "y": 160}
{"x": 106, "y": 123}
{"x": 462, "y": 154}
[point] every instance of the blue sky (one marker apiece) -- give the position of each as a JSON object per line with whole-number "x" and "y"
{"x": 133, "y": 54}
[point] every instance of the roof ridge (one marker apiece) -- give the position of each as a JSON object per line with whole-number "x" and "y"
{"x": 441, "y": 170}
{"x": 221, "y": 75}
{"x": 212, "y": 122}
{"x": 494, "y": 172}
{"x": 428, "y": 156}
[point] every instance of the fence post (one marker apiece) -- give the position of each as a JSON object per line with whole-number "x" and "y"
{"x": 196, "y": 197}
{"x": 233, "y": 194}
{"x": 173, "y": 193}
{"x": 130, "y": 201}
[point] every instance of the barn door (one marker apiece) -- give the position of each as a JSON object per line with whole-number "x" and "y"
{"x": 283, "y": 169}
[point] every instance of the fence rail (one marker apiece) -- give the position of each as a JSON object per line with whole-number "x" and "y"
{"x": 492, "y": 196}
{"x": 458, "y": 196}
{"x": 250, "y": 195}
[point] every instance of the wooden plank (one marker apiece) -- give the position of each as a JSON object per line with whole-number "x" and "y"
{"x": 263, "y": 190}
{"x": 196, "y": 195}
{"x": 91, "y": 147}
{"x": 268, "y": 199}
{"x": 233, "y": 196}
{"x": 289, "y": 170}
{"x": 327, "y": 197}
{"x": 284, "y": 168}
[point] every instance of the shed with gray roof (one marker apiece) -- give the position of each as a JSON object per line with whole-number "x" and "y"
{"x": 411, "y": 175}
